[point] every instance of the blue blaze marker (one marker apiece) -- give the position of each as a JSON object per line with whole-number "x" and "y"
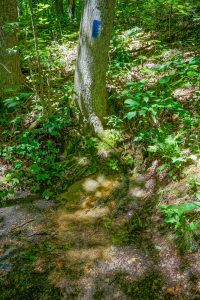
{"x": 96, "y": 28}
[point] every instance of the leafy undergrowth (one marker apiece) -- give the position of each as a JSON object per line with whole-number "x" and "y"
{"x": 41, "y": 149}
{"x": 154, "y": 107}
{"x": 152, "y": 139}
{"x": 154, "y": 117}
{"x": 157, "y": 94}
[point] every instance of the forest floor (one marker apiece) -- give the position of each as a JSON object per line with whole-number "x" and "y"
{"x": 104, "y": 238}
{"x": 87, "y": 249}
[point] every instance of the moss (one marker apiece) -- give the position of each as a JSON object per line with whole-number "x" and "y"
{"x": 147, "y": 288}
{"x": 24, "y": 283}
{"x": 98, "y": 295}
{"x": 132, "y": 231}
{"x": 109, "y": 139}
{"x": 34, "y": 272}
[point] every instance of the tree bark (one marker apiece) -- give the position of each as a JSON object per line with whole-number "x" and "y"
{"x": 91, "y": 66}
{"x": 71, "y": 8}
{"x": 10, "y": 72}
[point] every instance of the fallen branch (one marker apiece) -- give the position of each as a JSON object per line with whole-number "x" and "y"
{"x": 23, "y": 224}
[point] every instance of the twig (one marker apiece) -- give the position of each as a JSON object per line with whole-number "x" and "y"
{"x": 5, "y": 68}
{"x": 39, "y": 233}
{"x": 23, "y": 224}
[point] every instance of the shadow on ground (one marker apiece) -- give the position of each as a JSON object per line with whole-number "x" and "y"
{"x": 94, "y": 246}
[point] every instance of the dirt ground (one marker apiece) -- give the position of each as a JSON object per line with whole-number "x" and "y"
{"x": 81, "y": 247}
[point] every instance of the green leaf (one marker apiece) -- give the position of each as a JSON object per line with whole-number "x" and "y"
{"x": 129, "y": 84}
{"x": 177, "y": 159}
{"x": 193, "y": 225}
{"x": 194, "y": 60}
{"x": 21, "y": 95}
{"x": 42, "y": 176}
{"x": 170, "y": 219}
{"x": 146, "y": 70}
{"x": 189, "y": 206}
{"x": 197, "y": 195}
{"x": 35, "y": 168}
{"x": 162, "y": 67}
{"x": 191, "y": 73}
{"x": 130, "y": 115}
{"x": 153, "y": 148}
{"x": 164, "y": 79}
{"x": 131, "y": 102}
{"x": 161, "y": 168}
{"x": 172, "y": 73}
{"x": 32, "y": 258}
{"x": 143, "y": 112}
{"x": 170, "y": 207}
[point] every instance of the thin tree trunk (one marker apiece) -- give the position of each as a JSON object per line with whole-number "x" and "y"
{"x": 10, "y": 71}
{"x": 90, "y": 74}
{"x": 71, "y": 8}
{"x": 39, "y": 69}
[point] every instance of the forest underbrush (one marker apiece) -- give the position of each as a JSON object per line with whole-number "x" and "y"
{"x": 133, "y": 233}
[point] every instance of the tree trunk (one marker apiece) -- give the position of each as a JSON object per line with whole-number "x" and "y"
{"x": 10, "y": 72}
{"x": 90, "y": 74}
{"x": 71, "y": 8}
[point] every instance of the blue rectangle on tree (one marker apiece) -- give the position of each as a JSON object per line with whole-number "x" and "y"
{"x": 96, "y": 28}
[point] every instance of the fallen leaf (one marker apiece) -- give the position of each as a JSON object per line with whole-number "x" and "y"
{"x": 174, "y": 290}
{"x": 171, "y": 290}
